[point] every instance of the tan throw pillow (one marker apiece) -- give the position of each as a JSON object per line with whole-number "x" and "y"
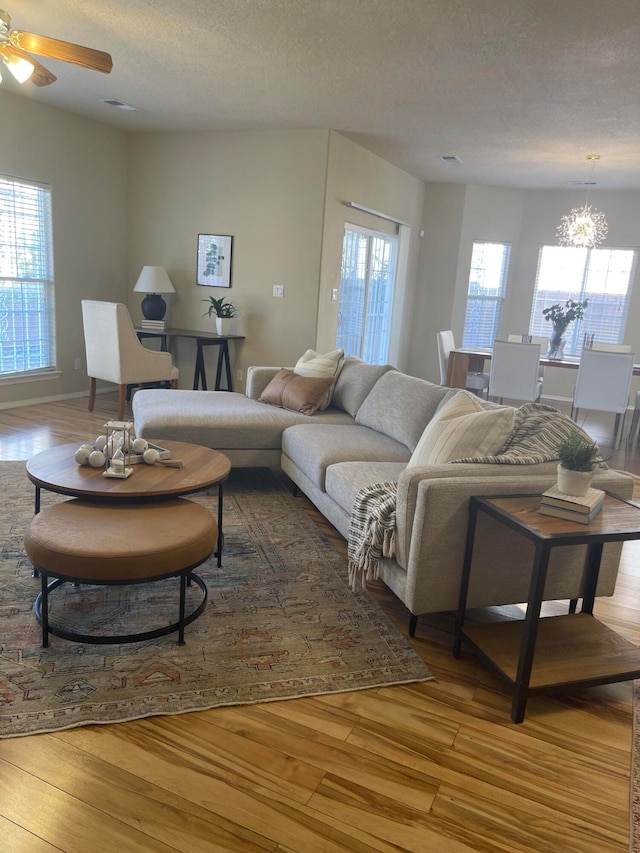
{"x": 327, "y": 366}
{"x": 298, "y": 393}
{"x": 461, "y": 428}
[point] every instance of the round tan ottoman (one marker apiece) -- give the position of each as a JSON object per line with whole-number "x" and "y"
{"x": 81, "y": 541}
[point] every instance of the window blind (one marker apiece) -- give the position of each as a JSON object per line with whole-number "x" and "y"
{"x": 485, "y": 296}
{"x": 27, "y": 330}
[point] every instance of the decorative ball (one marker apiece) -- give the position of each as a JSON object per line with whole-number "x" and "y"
{"x": 151, "y": 455}
{"x": 100, "y": 442}
{"x": 139, "y": 445}
{"x": 82, "y": 454}
{"x": 96, "y": 459}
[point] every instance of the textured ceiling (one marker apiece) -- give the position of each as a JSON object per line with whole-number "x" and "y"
{"x": 520, "y": 90}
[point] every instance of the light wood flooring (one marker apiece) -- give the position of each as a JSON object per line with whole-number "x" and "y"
{"x": 436, "y": 767}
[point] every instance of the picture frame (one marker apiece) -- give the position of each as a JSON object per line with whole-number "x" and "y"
{"x": 214, "y": 260}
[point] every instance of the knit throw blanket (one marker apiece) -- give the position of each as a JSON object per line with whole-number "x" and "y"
{"x": 537, "y": 431}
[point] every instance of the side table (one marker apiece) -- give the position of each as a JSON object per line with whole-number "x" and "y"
{"x": 202, "y": 339}
{"x": 576, "y": 648}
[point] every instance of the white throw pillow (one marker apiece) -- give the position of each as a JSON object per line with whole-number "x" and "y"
{"x": 318, "y": 366}
{"x": 462, "y": 428}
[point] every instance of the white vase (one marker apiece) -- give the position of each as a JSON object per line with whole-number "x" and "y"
{"x": 223, "y": 325}
{"x": 573, "y": 482}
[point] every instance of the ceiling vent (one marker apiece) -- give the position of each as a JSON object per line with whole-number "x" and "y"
{"x": 582, "y": 183}
{"x": 119, "y": 105}
{"x": 450, "y": 158}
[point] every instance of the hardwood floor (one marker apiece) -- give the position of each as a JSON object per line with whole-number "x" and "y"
{"x": 436, "y": 767}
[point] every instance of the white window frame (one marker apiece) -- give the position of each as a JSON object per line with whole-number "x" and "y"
{"x": 604, "y": 276}
{"x": 27, "y": 309}
{"x": 485, "y": 292}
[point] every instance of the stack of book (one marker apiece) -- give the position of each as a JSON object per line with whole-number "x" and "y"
{"x": 153, "y": 325}
{"x": 571, "y": 507}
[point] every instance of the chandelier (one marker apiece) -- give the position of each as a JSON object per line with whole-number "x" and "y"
{"x": 584, "y": 227}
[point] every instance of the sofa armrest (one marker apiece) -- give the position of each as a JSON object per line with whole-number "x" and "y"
{"x": 433, "y": 516}
{"x": 258, "y": 378}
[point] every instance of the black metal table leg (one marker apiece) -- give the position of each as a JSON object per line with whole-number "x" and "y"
{"x": 530, "y": 632}
{"x": 183, "y": 583}
{"x": 44, "y": 609}
{"x": 200, "y": 377}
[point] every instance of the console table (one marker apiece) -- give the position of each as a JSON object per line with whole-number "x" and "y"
{"x": 202, "y": 339}
{"x": 534, "y": 653}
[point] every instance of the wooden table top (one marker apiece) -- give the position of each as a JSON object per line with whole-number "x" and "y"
{"x": 57, "y": 471}
{"x": 619, "y": 519}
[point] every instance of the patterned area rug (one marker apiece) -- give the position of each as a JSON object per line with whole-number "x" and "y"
{"x": 280, "y": 622}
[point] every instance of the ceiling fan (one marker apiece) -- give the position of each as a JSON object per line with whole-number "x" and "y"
{"x": 17, "y": 45}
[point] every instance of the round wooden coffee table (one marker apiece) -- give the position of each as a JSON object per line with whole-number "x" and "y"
{"x": 56, "y": 470}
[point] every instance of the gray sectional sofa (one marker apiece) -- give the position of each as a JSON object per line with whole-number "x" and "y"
{"x": 367, "y": 435}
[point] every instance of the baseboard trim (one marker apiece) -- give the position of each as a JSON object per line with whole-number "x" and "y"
{"x": 56, "y": 398}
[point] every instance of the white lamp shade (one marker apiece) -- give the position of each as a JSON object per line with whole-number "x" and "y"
{"x": 154, "y": 280}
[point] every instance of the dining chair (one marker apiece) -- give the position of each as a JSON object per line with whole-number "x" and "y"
{"x": 515, "y": 371}
{"x": 602, "y": 385}
{"x": 603, "y": 346}
{"x": 115, "y": 354}
{"x": 635, "y": 423}
{"x": 476, "y": 382}
{"x": 533, "y": 339}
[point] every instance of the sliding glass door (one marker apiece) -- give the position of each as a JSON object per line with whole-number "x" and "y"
{"x": 366, "y": 293}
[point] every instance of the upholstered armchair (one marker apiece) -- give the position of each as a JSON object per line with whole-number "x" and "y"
{"x": 115, "y": 354}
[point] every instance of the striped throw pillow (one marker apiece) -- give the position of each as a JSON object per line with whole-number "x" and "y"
{"x": 461, "y": 428}
{"x": 317, "y": 366}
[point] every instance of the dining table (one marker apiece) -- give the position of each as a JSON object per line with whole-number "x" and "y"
{"x": 471, "y": 359}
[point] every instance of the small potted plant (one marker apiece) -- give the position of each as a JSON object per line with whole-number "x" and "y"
{"x": 577, "y": 459}
{"x": 223, "y": 312}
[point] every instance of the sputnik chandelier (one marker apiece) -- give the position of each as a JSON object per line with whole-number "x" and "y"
{"x": 584, "y": 227}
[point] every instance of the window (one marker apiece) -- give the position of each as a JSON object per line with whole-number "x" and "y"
{"x": 603, "y": 276}
{"x": 27, "y": 329}
{"x": 366, "y": 293}
{"x": 487, "y": 282}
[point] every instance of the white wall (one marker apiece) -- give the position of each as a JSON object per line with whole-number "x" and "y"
{"x": 264, "y": 188}
{"x": 85, "y": 164}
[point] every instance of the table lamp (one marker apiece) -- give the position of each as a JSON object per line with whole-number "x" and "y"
{"x": 153, "y": 281}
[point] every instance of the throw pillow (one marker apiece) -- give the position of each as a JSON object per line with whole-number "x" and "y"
{"x": 298, "y": 393}
{"x": 327, "y": 366}
{"x": 461, "y": 428}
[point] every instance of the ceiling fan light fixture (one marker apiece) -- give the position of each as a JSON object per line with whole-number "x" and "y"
{"x": 21, "y": 68}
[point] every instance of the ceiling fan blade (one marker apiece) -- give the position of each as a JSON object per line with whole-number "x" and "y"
{"x": 41, "y": 76}
{"x": 95, "y": 60}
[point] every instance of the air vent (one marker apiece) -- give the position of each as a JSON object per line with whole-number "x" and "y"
{"x": 582, "y": 183}
{"x": 119, "y": 105}
{"x": 450, "y": 158}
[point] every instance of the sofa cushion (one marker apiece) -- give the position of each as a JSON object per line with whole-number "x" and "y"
{"x": 344, "y": 480}
{"x": 312, "y": 448}
{"x": 400, "y": 406}
{"x": 223, "y": 420}
{"x": 356, "y": 380}
{"x": 463, "y": 428}
{"x": 299, "y": 393}
{"x": 326, "y": 366}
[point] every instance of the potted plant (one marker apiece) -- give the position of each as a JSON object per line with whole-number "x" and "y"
{"x": 223, "y": 312}
{"x": 560, "y": 316}
{"x": 575, "y": 469}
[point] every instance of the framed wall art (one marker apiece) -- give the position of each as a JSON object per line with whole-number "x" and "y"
{"x": 214, "y": 260}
